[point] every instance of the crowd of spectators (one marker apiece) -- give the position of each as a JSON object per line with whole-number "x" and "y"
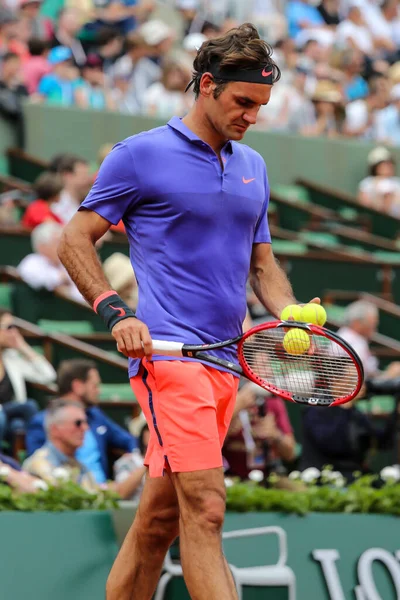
{"x": 340, "y": 76}
{"x": 339, "y": 59}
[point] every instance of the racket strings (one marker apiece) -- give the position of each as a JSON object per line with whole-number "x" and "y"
{"x": 325, "y": 369}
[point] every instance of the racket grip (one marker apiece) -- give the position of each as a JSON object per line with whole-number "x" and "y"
{"x": 167, "y": 348}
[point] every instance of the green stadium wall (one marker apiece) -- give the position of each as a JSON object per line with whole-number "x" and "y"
{"x": 340, "y": 164}
{"x": 67, "y": 556}
{"x": 8, "y": 139}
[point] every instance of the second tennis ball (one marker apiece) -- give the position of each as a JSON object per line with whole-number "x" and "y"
{"x": 292, "y": 311}
{"x": 296, "y": 341}
{"x": 313, "y": 313}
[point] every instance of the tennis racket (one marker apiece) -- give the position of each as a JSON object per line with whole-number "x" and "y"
{"x": 328, "y": 373}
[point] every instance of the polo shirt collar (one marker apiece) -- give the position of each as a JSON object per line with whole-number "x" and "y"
{"x": 177, "y": 124}
{"x": 61, "y": 457}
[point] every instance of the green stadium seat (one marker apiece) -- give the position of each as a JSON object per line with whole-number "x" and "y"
{"x": 67, "y": 327}
{"x": 377, "y": 405}
{"x": 292, "y": 192}
{"x": 326, "y": 239}
{"x": 387, "y": 256}
{"x": 289, "y": 246}
{"x": 335, "y": 312}
{"x": 117, "y": 392}
{"x": 6, "y": 290}
{"x": 350, "y": 214}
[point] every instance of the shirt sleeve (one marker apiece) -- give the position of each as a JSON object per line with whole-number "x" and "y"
{"x": 281, "y": 416}
{"x": 262, "y": 234}
{"x": 115, "y": 191}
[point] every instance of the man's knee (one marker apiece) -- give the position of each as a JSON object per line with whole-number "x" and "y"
{"x": 205, "y": 509}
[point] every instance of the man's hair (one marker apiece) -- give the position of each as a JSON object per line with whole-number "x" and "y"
{"x": 48, "y": 185}
{"x": 69, "y": 370}
{"x": 44, "y": 233}
{"x": 239, "y": 48}
{"x": 359, "y": 311}
{"x": 65, "y": 163}
{"x": 37, "y": 46}
{"x": 56, "y": 409}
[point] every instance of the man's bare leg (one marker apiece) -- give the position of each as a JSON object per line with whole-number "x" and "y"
{"x": 201, "y": 496}
{"x": 137, "y": 568}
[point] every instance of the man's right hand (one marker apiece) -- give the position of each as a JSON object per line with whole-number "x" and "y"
{"x": 133, "y": 338}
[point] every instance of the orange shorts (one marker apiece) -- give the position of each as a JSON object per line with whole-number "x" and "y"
{"x": 188, "y": 407}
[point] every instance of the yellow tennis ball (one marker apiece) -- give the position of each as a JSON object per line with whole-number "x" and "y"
{"x": 292, "y": 311}
{"x": 296, "y": 341}
{"x": 313, "y": 313}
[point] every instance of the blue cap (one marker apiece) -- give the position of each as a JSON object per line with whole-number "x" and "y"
{"x": 59, "y": 54}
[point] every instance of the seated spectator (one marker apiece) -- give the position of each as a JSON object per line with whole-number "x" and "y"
{"x": 12, "y": 90}
{"x": 19, "y": 364}
{"x": 91, "y": 91}
{"x": 79, "y": 380}
{"x": 66, "y": 427}
{"x": 361, "y": 115}
{"x": 351, "y": 64}
{"x": 361, "y": 321}
{"x": 68, "y": 25}
{"x": 158, "y": 39}
{"x": 77, "y": 180}
{"x": 37, "y": 65}
{"x": 322, "y": 116}
{"x": 343, "y": 437}
{"x": 388, "y": 120}
{"x": 47, "y": 187}
{"x": 8, "y": 26}
{"x": 381, "y": 189}
{"x": 329, "y": 10}
{"x": 109, "y": 47}
{"x": 40, "y": 26}
{"x": 300, "y": 15}
{"x": 131, "y": 463}
{"x": 118, "y": 270}
{"x": 260, "y": 435}
{"x": 123, "y": 14}
{"x": 58, "y": 86}
{"x": 353, "y": 31}
{"x": 11, "y": 474}
{"x": 43, "y": 269}
{"x": 166, "y": 97}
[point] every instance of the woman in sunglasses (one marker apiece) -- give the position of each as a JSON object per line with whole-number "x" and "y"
{"x": 19, "y": 364}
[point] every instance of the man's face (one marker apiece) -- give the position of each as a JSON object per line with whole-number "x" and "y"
{"x": 236, "y": 108}
{"x": 49, "y": 250}
{"x": 71, "y": 428}
{"x": 89, "y": 390}
{"x": 370, "y": 325}
{"x": 12, "y": 68}
{"x": 5, "y": 333}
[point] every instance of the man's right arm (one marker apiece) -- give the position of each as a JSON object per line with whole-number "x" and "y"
{"x": 77, "y": 253}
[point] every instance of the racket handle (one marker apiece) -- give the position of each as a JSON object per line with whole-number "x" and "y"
{"x": 167, "y": 348}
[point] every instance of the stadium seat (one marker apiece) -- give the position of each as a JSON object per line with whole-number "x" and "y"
{"x": 329, "y": 240}
{"x": 335, "y": 313}
{"x": 289, "y": 247}
{"x": 292, "y": 192}
{"x": 6, "y": 295}
{"x": 275, "y": 575}
{"x": 68, "y": 327}
{"x": 116, "y": 392}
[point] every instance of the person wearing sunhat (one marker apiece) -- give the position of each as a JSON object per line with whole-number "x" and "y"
{"x": 322, "y": 115}
{"x": 58, "y": 86}
{"x": 381, "y": 189}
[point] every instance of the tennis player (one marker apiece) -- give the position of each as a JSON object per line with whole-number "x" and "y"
{"x": 194, "y": 205}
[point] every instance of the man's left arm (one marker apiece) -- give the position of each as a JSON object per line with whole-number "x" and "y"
{"x": 269, "y": 281}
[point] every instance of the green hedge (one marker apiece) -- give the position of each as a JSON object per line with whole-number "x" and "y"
{"x": 65, "y": 497}
{"x": 368, "y": 494}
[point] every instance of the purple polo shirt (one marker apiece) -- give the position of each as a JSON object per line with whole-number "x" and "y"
{"x": 191, "y": 226}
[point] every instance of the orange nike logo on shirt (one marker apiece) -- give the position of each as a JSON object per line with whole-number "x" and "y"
{"x": 247, "y": 180}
